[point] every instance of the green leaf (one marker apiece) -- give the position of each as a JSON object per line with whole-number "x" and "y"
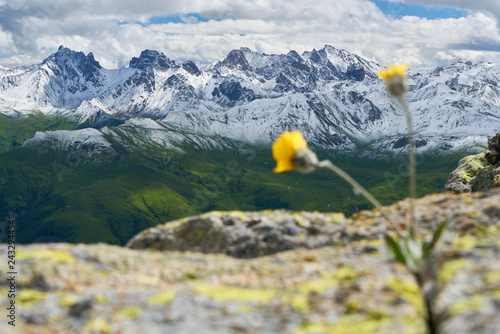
{"x": 396, "y": 250}
{"x": 411, "y": 232}
{"x": 428, "y": 247}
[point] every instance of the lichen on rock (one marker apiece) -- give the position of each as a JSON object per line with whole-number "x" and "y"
{"x": 346, "y": 286}
{"x": 479, "y": 172}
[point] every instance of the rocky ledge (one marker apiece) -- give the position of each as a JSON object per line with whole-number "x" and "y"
{"x": 210, "y": 274}
{"x": 480, "y": 172}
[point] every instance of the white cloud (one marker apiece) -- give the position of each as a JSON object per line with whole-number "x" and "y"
{"x": 36, "y": 28}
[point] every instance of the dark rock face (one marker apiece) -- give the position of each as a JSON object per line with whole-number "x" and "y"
{"x": 480, "y": 172}
{"x": 233, "y": 91}
{"x": 403, "y": 141}
{"x": 191, "y": 68}
{"x": 179, "y": 83}
{"x": 151, "y": 59}
{"x": 243, "y": 236}
{"x": 493, "y": 156}
{"x": 356, "y": 72}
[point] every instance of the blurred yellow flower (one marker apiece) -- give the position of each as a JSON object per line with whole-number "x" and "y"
{"x": 393, "y": 71}
{"x": 285, "y": 148}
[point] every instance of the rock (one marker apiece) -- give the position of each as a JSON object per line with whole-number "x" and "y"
{"x": 79, "y": 309}
{"x": 468, "y": 168}
{"x": 493, "y": 156}
{"x": 480, "y": 172}
{"x": 347, "y": 286}
{"x": 243, "y": 234}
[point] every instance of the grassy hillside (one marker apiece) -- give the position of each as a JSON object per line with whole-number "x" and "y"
{"x": 14, "y": 131}
{"x": 57, "y": 195}
{"x": 112, "y": 201}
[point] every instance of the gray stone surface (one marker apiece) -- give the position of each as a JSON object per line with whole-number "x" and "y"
{"x": 348, "y": 286}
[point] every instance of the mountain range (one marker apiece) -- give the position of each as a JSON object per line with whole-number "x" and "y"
{"x": 333, "y": 96}
{"x": 89, "y": 154}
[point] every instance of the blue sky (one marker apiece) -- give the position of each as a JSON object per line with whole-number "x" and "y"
{"x": 400, "y": 9}
{"x": 174, "y": 18}
{"x": 422, "y": 33}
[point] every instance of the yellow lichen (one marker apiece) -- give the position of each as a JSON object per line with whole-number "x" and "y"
{"x": 298, "y": 296}
{"x": 449, "y": 269}
{"x": 373, "y": 243}
{"x": 464, "y": 243}
{"x": 97, "y": 325}
{"x": 235, "y": 214}
{"x": 22, "y": 280}
{"x": 130, "y": 312}
{"x": 415, "y": 325}
{"x": 345, "y": 274}
{"x": 299, "y": 218}
{"x": 146, "y": 279}
{"x": 29, "y": 297}
{"x": 472, "y": 304}
{"x": 348, "y": 324}
{"x": 57, "y": 255}
{"x": 53, "y": 319}
{"x": 101, "y": 299}
{"x": 353, "y": 306}
{"x": 409, "y": 291}
{"x": 300, "y": 302}
{"x": 495, "y": 294}
{"x": 230, "y": 293}
{"x": 162, "y": 298}
{"x": 493, "y": 229}
{"x": 342, "y": 274}
{"x": 493, "y": 277}
{"x": 67, "y": 300}
{"x": 199, "y": 233}
{"x": 317, "y": 286}
{"x": 337, "y": 217}
{"x": 471, "y": 165}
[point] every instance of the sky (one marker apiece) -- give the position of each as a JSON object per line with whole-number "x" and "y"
{"x": 421, "y": 33}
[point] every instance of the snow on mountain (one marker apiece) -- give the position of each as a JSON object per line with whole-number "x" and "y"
{"x": 331, "y": 95}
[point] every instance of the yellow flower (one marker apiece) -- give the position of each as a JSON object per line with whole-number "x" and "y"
{"x": 395, "y": 78}
{"x": 393, "y": 71}
{"x": 285, "y": 148}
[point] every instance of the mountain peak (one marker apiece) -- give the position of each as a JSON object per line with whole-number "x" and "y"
{"x": 151, "y": 59}
{"x": 236, "y": 59}
{"x": 64, "y": 55}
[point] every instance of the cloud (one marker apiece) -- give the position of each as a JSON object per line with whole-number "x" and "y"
{"x": 115, "y": 31}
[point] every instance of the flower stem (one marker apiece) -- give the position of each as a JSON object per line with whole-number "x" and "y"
{"x": 412, "y": 160}
{"x": 357, "y": 187}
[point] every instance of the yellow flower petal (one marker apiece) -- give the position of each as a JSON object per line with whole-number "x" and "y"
{"x": 284, "y": 149}
{"x": 392, "y": 71}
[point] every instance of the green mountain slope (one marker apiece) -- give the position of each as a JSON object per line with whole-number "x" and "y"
{"x": 57, "y": 196}
{"x": 14, "y": 131}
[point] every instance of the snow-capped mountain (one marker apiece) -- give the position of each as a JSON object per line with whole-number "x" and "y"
{"x": 331, "y": 95}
